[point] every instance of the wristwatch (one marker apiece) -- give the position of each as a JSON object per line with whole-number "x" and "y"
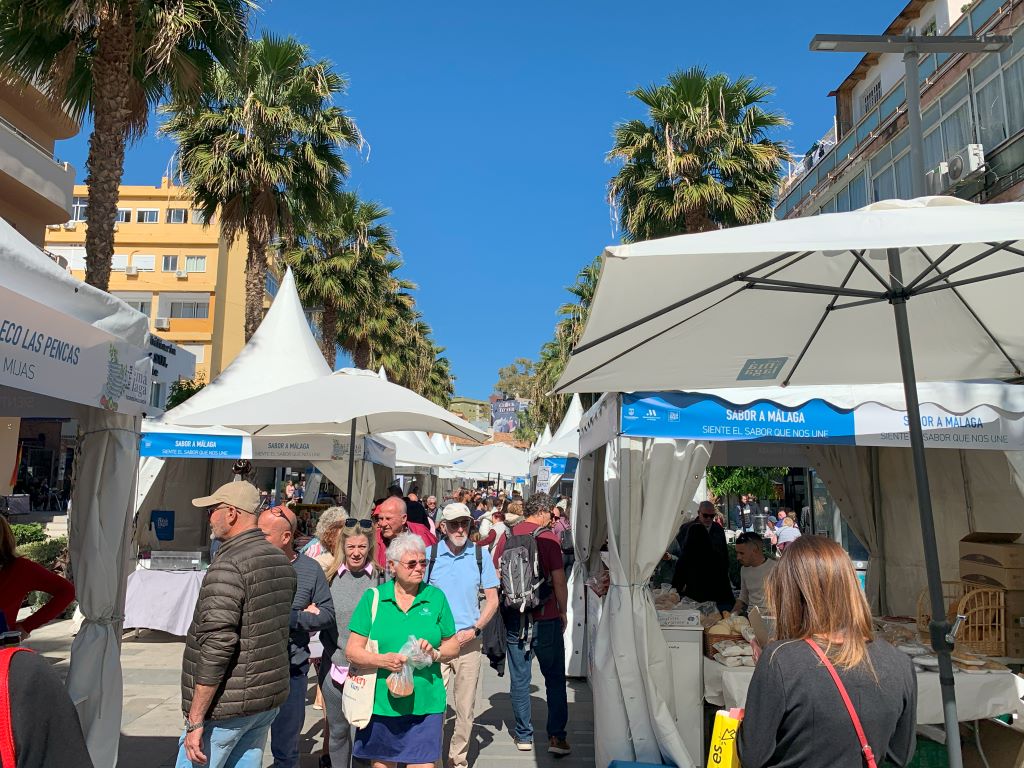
{"x": 476, "y": 631}
{"x": 190, "y": 726}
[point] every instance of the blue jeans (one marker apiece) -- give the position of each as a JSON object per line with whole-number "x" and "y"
{"x": 549, "y": 647}
{"x": 237, "y": 742}
{"x": 284, "y": 733}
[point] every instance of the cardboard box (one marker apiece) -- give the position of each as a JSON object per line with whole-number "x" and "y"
{"x": 992, "y": 576}
{"x": 999, "y": 550}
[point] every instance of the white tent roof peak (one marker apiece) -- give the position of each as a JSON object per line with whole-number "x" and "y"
{"x": 545, "y": 437}
{"x": 382, "y": 373}
{"x": 284, "y": 335}
{"x": 571, "y": 421}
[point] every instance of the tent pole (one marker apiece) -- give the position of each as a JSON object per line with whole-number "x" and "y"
{"x": 351, "y": 463}
{"x": 938, "y": 626}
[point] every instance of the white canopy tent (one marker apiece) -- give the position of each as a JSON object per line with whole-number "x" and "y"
{"x": 73, "y": 351}
{"x": 491, "y": 460}
{"x": 564, "y": 445}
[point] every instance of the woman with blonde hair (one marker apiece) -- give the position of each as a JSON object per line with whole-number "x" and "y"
{"x": 795, "y": 713}
{"x": 351, "y": 573}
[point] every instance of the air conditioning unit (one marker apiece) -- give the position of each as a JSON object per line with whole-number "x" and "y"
{"x": 936, "y": 181}
{"x": 181, "y": 274}
{"x": 70, "y": 225}
{"x": 131, "y": 271}
{"x": 162, "y": 324}
{"x": 53, "y": 226}
{"x": 967, "y": 163}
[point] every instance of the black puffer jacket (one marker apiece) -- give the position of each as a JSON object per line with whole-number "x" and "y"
{"x": 238, "y": 640}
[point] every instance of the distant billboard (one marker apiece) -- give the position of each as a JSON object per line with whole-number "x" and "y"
{"x": 505, "y": 414}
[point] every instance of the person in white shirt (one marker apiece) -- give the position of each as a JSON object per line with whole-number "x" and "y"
{"x": 754, "y": 573}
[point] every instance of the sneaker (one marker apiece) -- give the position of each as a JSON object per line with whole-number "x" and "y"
{"x": 524, "y": 746}
{"x": 557, "y": 746}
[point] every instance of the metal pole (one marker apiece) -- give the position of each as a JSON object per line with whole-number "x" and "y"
{"x": 351, "y": 464}
{"x": 938, "y": 627}
{"x": 912, "y": 86}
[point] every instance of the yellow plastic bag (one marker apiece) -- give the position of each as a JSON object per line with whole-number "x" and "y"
{"x": 723, "y": 752}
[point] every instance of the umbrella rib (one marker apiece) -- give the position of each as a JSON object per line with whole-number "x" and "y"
{"x": 969, "y": 281}
{"x": 862, "y": 303}
{"x": 821, "y": 321}
{"x": 681, "y": 303}
{"x": 940, "y": 275}
{"x": 642, "y": 342}
{"x": 859, "y": 256}
{"x": 953, "y": 287}
{"x": 931, "y": 264}
{"x": 760, "y": 282}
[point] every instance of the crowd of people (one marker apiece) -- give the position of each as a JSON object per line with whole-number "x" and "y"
{"x": 403, "y": 606}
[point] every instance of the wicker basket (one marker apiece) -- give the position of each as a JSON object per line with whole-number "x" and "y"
{"x": 709, "y": 639}
{"x": 984, "y": 630}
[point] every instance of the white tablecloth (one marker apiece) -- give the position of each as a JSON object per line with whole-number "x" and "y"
{"x": 977, "y": 696}
{"x": 163, "y": 600}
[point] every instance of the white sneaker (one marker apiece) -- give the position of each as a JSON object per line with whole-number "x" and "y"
{"x": 524, "y": 746}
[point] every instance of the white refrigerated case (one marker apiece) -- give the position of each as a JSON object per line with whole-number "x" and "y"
{"x": 686, "y": 652}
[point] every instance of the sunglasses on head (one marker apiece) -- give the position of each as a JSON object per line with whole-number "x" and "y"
{"x": 278, "y": 512}
{"x": 362, "y": 523}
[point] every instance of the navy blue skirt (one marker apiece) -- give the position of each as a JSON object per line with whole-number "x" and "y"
{"x": 402, "y": 739}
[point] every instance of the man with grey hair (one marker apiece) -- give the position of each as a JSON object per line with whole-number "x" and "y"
{"x": 391, "y": 519}
{"x": 702, "y": 573}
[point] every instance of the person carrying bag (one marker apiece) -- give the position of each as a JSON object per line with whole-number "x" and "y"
{"x": 360, "y": 684}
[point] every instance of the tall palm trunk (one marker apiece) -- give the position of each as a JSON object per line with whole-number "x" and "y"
{"x": 255, "y": 280}
{"x": 329, "y": 333}
{"x": 698, "y": 220}
{"x": 111, "y": 71}
{"x": 361, "y": 354}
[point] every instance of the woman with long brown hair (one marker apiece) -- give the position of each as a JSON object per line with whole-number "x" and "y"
{"x": 795, "y": 714}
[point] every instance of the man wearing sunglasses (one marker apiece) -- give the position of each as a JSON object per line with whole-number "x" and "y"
{"x": 702, "y": 573}
{"x": 231, "y": 691}
{"x": 459, "y": 568}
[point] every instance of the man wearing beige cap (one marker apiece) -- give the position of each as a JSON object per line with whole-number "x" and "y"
{"x": 231, "y": 692}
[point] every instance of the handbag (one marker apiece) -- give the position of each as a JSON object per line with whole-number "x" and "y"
{"x": 722, "y": 752}
{"x": 360, "y": 686}
{"x": 865, "y": 748}
{"x": 7, "y": 753}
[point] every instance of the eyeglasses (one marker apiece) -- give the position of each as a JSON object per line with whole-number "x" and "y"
{"x": 364, "y": 523}
{"x": 277, "y": 512}
{"x": 711, "y": 516}
{"x": 214, "y": 508}
{"x": 410, "y": 564}
{"x": 462, "y": 523}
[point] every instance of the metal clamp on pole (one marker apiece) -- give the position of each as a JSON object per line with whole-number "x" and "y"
{"x": 955, "y": 629}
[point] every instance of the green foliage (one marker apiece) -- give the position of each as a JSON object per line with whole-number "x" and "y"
{"x": 759, "y": 481}
{"x": 52, "y": 554}
{"x": 515, "y": 380}
{"x": 28, "y": 533}
{"x": 182, "y": 389}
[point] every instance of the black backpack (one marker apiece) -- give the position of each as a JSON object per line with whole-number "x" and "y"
{"x": 524, "y": 587}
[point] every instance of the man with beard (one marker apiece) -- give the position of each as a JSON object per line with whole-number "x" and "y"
{"x": 460, "y": 569}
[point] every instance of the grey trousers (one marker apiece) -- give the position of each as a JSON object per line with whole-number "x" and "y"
{"x": 339, "y": 745}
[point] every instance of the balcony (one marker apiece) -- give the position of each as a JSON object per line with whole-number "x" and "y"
{"x": 30, "y": 175}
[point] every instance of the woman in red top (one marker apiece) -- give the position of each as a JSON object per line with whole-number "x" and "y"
{"x": 18, "y": 577}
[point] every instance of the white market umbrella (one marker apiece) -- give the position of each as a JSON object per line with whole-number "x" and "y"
{"x": 803, "y": 301}
{"x": 494, "y": 459}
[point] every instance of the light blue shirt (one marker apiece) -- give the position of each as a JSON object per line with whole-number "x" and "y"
{"x": 460, "y": 579}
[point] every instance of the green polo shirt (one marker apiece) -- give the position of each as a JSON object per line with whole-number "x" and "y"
{"x": 429, "y": 618}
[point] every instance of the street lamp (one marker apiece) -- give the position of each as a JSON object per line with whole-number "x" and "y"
{"x": 911, "y": 46}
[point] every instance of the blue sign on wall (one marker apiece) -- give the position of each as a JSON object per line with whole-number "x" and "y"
{"x": 689, "y": 416}
{"x": 172, "y": 445}
{"x": 163, "y": 523}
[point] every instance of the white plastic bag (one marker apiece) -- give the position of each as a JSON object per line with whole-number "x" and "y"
{"x": 401, "y": 683}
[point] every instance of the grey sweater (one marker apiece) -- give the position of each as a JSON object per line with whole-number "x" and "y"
{"x": 346, "y": 590}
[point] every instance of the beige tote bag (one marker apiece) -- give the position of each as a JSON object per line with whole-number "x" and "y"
{"x": 357, "y": 695}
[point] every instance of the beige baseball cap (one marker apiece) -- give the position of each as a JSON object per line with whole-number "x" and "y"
{"x": 238, "y": 494}
{"x": 456, "y": 511}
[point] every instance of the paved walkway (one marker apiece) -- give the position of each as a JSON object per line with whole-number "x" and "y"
{"x": 151, "y": 723}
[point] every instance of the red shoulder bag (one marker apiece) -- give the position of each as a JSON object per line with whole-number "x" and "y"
{"x": 865, "y": 748}
{"x": 7, "y": 754}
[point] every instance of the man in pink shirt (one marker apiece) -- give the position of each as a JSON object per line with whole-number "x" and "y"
{"x": 391, "y": 521}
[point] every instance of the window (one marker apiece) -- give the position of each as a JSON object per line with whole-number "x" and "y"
{"x": 170, "y": 263}
{"x": 858, "y": 193}
{"x": 177, "y": 216}
{"x": 124, "y": 215}
{"x": 75, "y": 254}
{"x": 271, "y": 285}
{"x": 118, "y": 263}
{"x": 198, "y": 217}
{"x": 144, "y": 263}
{"x": 199, "y": 350}
{"x": 147, "y": 216}
{"x": 190, "y": 309}
{"x": 80, "y": 209}
{"x": 156, "y": 395}
{"x": 195, "y": 263}
{"x": 140, "y": 302}
{"x": 872, "y": 95}
{"x": 930, "y": 28}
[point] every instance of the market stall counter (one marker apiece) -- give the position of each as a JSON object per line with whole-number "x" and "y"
{"x": 162, "y": 600}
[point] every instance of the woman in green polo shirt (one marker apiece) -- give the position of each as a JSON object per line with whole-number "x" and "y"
{"x": 405, "y": 729}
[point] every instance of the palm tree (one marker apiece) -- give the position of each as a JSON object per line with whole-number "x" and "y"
{"x": 378, "y": 317}
{"x": 331, "y": 264}
{"x": 440, "y": 384}
{"x": 262, "y": 149}
{"x": 703, "y": 161}
{"x": 113, "y": 60}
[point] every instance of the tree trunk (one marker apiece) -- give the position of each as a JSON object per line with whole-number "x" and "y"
{"x": 699, "y": 220}
{"x": 329, "y": 334}
{"x": 111, "y": 72}
{"x": 361, "y": 354}
{"x": 255, "y": 281}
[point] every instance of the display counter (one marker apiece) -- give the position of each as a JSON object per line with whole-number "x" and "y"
{"x": 162, "y": 600}
{"x": 978, "y": 696}
{"x": 686, "y": 654}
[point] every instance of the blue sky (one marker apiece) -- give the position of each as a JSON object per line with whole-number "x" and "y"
{"x": 488, "y": 124}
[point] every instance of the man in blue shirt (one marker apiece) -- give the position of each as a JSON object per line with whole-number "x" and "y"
{"x": 461, "y": 570}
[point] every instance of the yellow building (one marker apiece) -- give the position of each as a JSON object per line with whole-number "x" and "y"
{"x": 35, "y": 187}
{"x": 169, "y": 266}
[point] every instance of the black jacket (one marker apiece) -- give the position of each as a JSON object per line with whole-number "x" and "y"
{"x": 702, "y": 573}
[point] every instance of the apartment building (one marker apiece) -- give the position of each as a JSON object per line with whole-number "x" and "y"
{"x": 972, "y": 109}
{"x": 35, "y": 187}
{"x": 171, "y": 267}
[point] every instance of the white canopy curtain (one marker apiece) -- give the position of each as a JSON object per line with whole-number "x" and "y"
{"x": 364, "y": 482}
{"x": 105, "y": 460}
{"x": 648, "y": 482}
{"x": 1016, "y": 461}
{"x": 582, "y": 493}
{"x": 846, "y": 471}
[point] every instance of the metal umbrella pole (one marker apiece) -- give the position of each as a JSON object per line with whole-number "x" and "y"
{"x": 351, "y": 464}
{"x": 939, "y": 628}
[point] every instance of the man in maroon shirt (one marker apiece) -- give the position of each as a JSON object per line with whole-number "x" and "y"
{"x": 391, "y": 521}
{"x": 549, "y": 622}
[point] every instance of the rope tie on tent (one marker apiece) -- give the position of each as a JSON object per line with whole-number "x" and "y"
{"x": 105, "y": 621}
